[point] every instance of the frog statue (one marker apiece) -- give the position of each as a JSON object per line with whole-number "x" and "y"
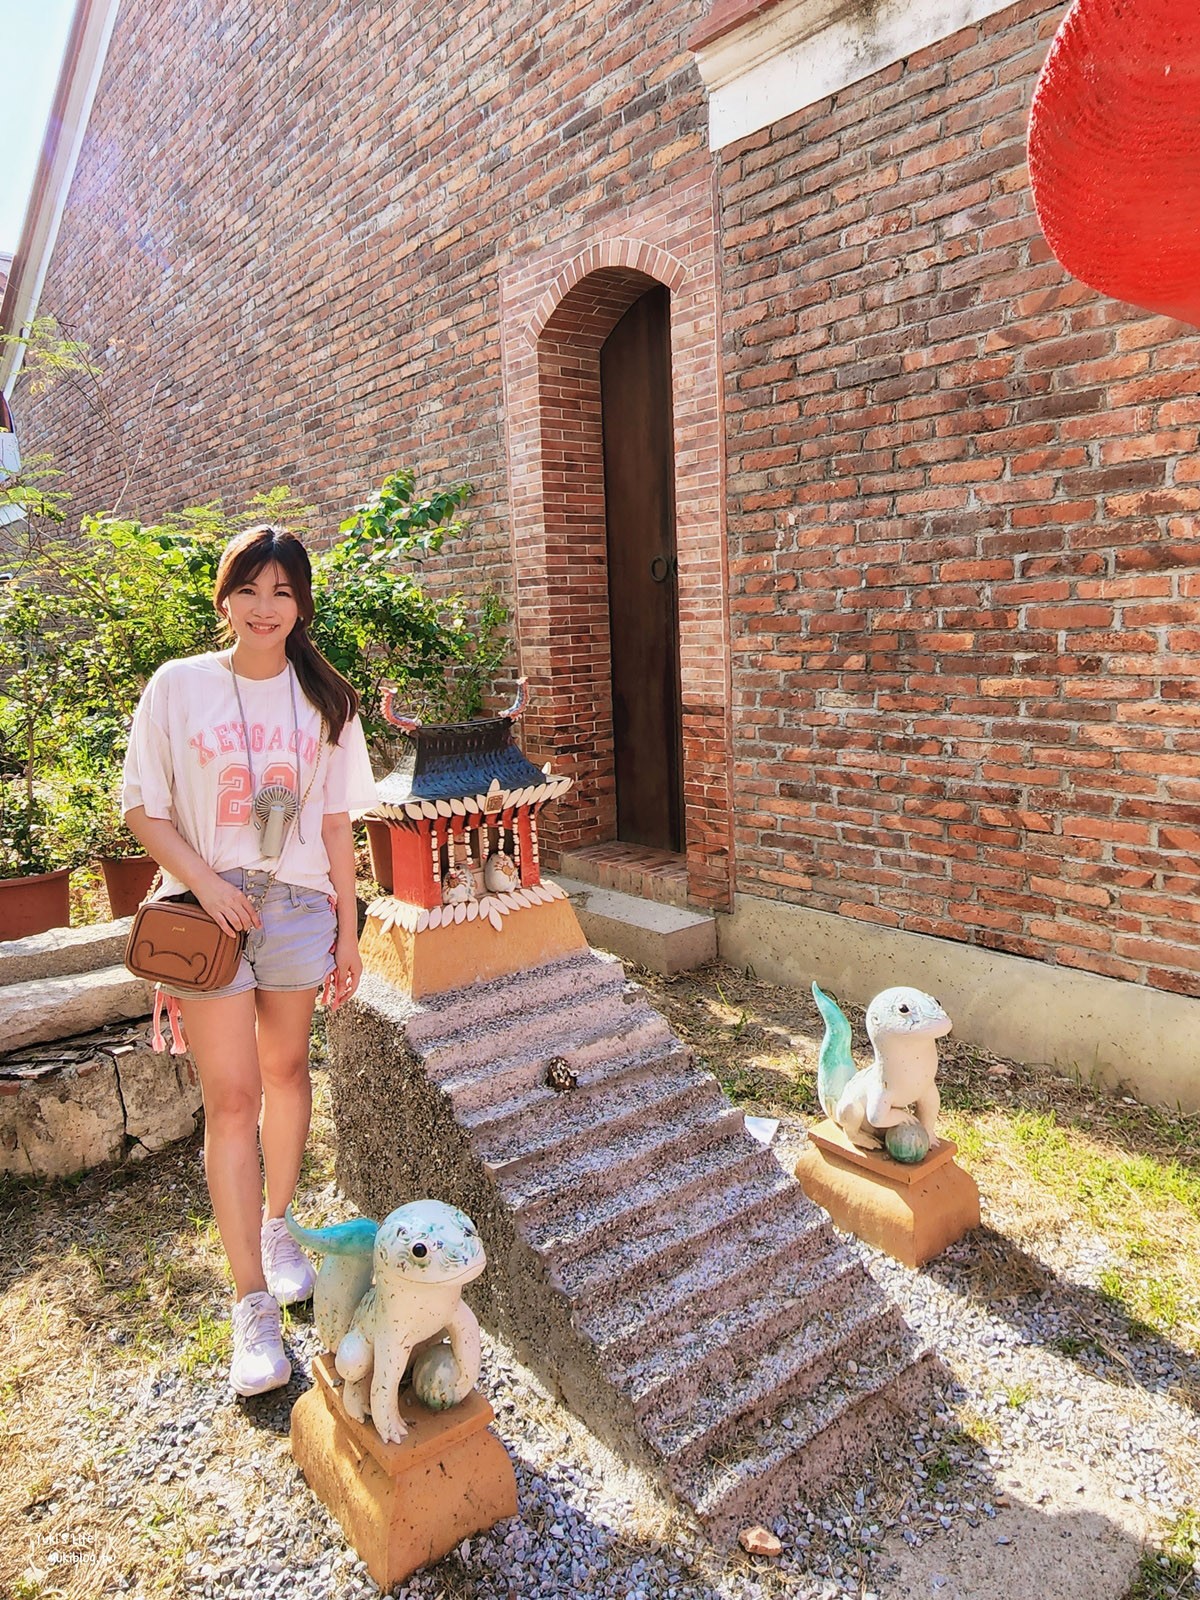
{"x": 871, "y": 1106}
{"x": 387, "y": 1300}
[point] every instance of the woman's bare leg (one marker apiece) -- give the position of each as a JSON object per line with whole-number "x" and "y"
{"x": 221, "y": 1035}
{"x": 284, "y": 1023}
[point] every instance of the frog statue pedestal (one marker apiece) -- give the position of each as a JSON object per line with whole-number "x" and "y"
{"x": 424, "y": 1473}
{"x": 402, "y": 1506}
{"x": 875, "y": 1165}
{"x": 912, "y": 1212}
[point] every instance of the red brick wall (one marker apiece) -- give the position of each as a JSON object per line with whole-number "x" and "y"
{"x": 963, "y": 496}
{"x": 961, "y": 489}
{"x": 294, "y": 225}
{"x": 286, "y": 228}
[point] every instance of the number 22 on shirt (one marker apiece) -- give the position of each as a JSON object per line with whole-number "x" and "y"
{"x": 235, "y": 796}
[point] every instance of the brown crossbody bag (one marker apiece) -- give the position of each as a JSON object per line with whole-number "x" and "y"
{"x": 175, "y": 941}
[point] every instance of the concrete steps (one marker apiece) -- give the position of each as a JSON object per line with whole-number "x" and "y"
{"x": 721, "y": 1399}
{"x": 676, "y": 1237}
{"x": 752, "y": 1324}
{"x": 684, "y": 1168}
{"x": 812, "y": 1438}
{"x": 577, "y": 1122}
{"x": 773, "y": 1249}
{"x": 589, "y": 1053}
{"x": 649, "y": 1258}
{"x": 581, "y": 1177}
{"x": 665, "y": 938}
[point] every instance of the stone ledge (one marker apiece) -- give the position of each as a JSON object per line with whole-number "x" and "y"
{"x": 45, "y": 1009}
{"x": 664, "y": 938}
{"x": 62, "y": 951}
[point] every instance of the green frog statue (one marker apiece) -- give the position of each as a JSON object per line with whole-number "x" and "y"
{"x": 388, "y": 1303}
{"x": 894, "y": 1102}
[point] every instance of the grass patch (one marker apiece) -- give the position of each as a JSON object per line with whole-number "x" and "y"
{"x": 1168, "y": 1572}
{"x": 1050, "y": 1150}
{"x": 975, "y": 1425}
{"x": 1144, "y": 1203}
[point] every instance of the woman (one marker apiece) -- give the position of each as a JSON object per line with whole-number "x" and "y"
{"x": 243, "y": 768}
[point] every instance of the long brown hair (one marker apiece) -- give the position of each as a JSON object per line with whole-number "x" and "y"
{"x": 243, "y": 559}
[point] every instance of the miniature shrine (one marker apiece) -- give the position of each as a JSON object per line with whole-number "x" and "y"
{"x": 468, "y": 900}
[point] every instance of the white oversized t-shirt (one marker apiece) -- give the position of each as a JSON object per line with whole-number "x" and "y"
{"x": 187, "y": 763}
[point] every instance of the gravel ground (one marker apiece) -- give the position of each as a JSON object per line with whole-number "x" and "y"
{"x": 1039, "y": 1379}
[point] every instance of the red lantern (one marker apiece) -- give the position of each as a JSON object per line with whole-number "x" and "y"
{"x": 1114, "y": 150}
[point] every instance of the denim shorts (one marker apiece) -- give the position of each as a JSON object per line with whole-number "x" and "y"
{"x": 292, "y": 950}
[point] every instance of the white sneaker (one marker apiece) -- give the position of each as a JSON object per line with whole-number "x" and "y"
{"x": 258, "y": 1362}
{"x": 288, "y": 1271}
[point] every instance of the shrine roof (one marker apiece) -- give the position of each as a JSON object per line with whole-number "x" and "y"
{"x": 462, "y": 761}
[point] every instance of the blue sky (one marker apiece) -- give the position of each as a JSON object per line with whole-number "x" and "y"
{"x": 32, "y": 36}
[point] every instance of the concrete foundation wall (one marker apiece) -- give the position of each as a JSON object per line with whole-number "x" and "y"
{"x": 1119, "y": 1033}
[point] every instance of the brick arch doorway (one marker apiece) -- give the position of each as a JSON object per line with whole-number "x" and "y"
{"x": 560, "y": 304}
{"x": 643, "y": 574}
{"x": 576, "y": 705}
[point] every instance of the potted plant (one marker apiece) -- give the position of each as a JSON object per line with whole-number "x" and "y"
{"x": 94, "y": 829}
{"x": 35, "y": 889}
{"x": 35, "y": 861}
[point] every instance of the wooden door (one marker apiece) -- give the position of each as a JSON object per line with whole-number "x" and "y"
{"x": 639, "y": 497}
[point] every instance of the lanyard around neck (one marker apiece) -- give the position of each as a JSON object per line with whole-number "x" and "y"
{"x": 268, "y": 793}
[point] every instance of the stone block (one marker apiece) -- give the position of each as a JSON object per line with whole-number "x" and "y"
{"x": 62, "y": 951}
{"x": 161, "y": 1096}
{"x": 82, "y": 1103}
{"x": 664, "y": 938}
{"x": 54, "y": 1126}
{"x": 402, "y": 1506}
{"x": 60, "y": 1007}
{"x": 912, "y": 1213}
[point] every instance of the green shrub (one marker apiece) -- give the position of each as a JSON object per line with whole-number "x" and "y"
{"x": 84, "y": 624}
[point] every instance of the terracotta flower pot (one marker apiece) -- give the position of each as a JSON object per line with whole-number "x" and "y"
{"x": 128, "y": 880}
{"x": 32, "y": 905}
{"x": 379, "y": 843}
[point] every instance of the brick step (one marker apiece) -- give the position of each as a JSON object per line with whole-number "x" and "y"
{"x": 797, "y": 1449}
{"x": 592, "y": 1119}
{"x": 674, "y": 1237}
{"x": 589, "y": 1050}
{"x": 571, "y": 1229}
{"x": 665, "y": 938}
{"x": 750, "y": 1389}
{"x": 639, "y": 870}
{"x": 717, "y": 1346}
{"x": 576, "y": 1179}
{"x": 770, "y": 1248}
{"x": 442, "y": 1018}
